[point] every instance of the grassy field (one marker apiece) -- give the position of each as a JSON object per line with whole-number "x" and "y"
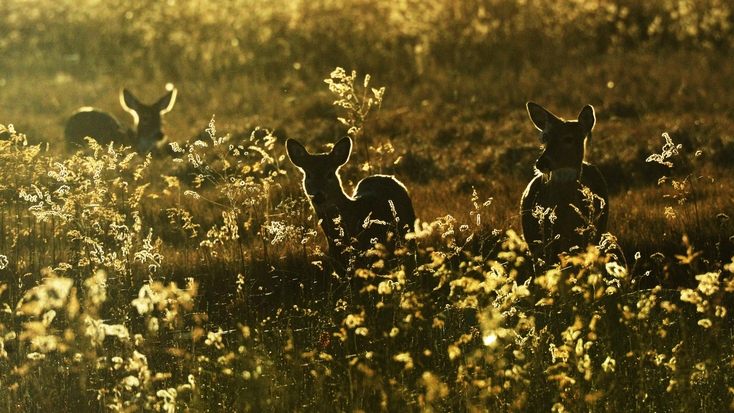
{"x": 198, "y": 280}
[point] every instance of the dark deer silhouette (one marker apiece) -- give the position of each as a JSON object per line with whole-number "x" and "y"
{"x": 380, "y": 208}
{"x": 566, "y": 205}
{"x": 145, "y": 135}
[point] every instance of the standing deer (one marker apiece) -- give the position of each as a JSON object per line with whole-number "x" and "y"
{"x": 379, "y": 210}
{"x": 105, "y": 128}
{"x": 566, "y": 205}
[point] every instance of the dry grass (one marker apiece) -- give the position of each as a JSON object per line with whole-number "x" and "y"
{"x": 198, "y": 280}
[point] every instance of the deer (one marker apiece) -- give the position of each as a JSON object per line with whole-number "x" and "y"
{"x": 145, "y": 135}
{"x": 380, "y": 209}
{"x": 565, "y": 207}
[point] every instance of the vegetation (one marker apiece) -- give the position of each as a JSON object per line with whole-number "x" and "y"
{"x": 198, "y": 279}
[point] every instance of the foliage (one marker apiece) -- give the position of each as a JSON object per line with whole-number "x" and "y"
{"x": 197, "y": 280}
{"x": 269, "y": 37}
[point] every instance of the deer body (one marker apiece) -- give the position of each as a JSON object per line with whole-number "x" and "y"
{"x": 105, "y": 128}
{"x": 380, "y": 208}
{"x": 566, "y": 205}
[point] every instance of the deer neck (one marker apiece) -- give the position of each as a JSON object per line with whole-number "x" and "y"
{"x": 562, "y": 185}
{"x": 337, "y": 209}
{"x": 564, "y": 176}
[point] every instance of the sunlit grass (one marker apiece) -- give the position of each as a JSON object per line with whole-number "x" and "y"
{"x": 199, "y": 280}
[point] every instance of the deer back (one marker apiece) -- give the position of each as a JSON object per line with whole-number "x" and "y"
{"x": 97, "y": 124}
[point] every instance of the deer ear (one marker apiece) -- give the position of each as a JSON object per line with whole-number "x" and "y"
{"x": 131, "y": 105}
{"x": 540, "y": 118}
{"x": 129, "y": 102}
{"x": 538, "y": 115}
{"x": 587, "y": 119}
{"x": 165, "y": 104}
{"x": 296, "y": 152}
{"x": 341, "y": 151}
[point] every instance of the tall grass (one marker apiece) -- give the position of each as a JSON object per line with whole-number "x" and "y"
{"x": 266, "y": 38}
{"x": 199, "y": 281}
{"x": 260, "y": 309}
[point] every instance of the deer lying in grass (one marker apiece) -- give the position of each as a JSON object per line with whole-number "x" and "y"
{"x": 380, "y": 210}
{"x": 566, "y": 205}
{"x": 145, "y": 136}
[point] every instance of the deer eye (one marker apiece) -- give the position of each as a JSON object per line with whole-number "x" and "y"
{"x": 543, "y": 137}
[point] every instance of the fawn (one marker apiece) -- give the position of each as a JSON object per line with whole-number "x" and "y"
{"x": 379, "y": 210}
{"x": 145, "y": 136}
{"x": 566, "y": 205}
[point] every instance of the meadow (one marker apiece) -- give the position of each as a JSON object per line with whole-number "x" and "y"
{"x": 196, "y": 278}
